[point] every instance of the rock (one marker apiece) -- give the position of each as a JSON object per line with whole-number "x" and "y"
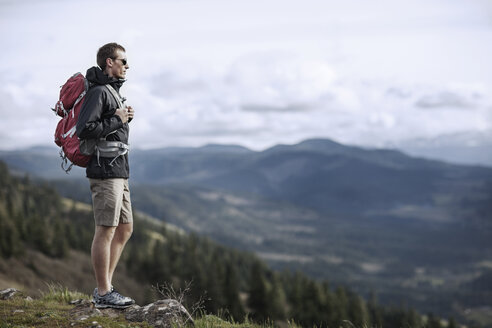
{"x": 160, "y": 314}
{"x": 84, "y": 311}
{"x": 111, "y": 313}
{"x": 95, "y": 324}
{"x": 8, "y": 293}
{"x": 28, "y": 299}
{"x": 77, "y": 301}
{"x": 134, "y": 313}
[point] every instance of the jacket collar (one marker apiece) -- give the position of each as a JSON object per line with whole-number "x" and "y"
{"x": 96, "y": 76}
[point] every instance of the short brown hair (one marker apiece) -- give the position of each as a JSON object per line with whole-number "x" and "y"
{"x": 107, "y": 51}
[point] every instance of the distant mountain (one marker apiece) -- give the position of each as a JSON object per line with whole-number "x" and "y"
{"x": 209, "y": 148}
{"x": 323, "y": 175}
{"x": 471, "y": 148}
{"x": 39, "y": 161}
{"x": 317, "y": 173}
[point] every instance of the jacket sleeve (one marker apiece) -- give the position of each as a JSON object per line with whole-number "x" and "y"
{"x": 91, "y": 123}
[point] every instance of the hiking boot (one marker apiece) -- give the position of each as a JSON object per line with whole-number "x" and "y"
{"x": 125, "y": 298}
{"x": 112, "y": 299}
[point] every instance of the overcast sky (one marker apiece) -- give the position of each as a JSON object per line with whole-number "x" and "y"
{"x": 257, "y": 72}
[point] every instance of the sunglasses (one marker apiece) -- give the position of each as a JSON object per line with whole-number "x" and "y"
{"x": 123, "y": 61}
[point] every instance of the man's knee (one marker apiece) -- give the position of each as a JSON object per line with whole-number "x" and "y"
{"x": 125, "y": 230}
{"x": 104, "y": 234}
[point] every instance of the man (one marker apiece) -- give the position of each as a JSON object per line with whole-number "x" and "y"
{"x": 103, "y": 116}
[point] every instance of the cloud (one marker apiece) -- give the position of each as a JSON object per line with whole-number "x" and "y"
{"x": 268, "y": 108}
{"x": 278, "y": 81}
{"x": 26, "y": 118}
{"x": 449, "y": 99}
{"x": 172, "y": 83}
{"x": 266, "y": 98}
{"x": 257, "y": 101}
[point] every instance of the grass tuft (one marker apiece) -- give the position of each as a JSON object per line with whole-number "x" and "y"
{"x": 58, "y": 293}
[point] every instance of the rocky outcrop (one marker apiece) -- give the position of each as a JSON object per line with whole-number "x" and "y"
{"x": 160, "y": 314}
{"x": 84, "y": 310}
{"x": 8, "y": 293}
{"x": 165, "y": 313}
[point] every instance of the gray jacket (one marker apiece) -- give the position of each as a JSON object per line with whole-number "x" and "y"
{"x": 97, "y": 120}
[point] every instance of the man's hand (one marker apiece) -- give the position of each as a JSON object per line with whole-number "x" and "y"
{"x": 123, "y": 114}
{"x": 131, "y": 112}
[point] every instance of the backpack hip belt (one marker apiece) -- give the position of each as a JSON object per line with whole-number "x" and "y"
{"x": 103, "y": 148}
{"x": 111, "y": 149}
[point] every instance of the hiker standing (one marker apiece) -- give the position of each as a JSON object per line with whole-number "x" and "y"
{"x": 104, "y": 117}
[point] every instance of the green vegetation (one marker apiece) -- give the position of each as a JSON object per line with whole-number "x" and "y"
{"x": 52, "y": 310}
{"x": 234, "y": 283}
{"x": 35, "y": 313}
{"x": 60, "y": 294}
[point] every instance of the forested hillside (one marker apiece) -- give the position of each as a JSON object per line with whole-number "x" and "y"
{"x": 228, "y": 281}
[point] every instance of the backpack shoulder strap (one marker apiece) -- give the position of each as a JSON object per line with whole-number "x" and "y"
{"x": 115, "y": 95}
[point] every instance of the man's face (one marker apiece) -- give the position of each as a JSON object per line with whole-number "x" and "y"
{"x": 119, "y": 65}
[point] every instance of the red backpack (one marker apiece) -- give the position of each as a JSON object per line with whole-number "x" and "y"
{"x": 72, "y": 94}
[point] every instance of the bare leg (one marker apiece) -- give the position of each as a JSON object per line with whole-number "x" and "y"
{"x": 101, "y": 255}
{"x": 122, "y": 234}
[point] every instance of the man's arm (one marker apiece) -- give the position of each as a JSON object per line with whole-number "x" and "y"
{"x": 90, "y": 124}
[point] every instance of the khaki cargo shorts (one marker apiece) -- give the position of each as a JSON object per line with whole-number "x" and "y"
{"x": 111, "y": 201}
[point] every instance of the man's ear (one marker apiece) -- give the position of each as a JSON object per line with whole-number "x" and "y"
{"x": 109, "y": 62}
